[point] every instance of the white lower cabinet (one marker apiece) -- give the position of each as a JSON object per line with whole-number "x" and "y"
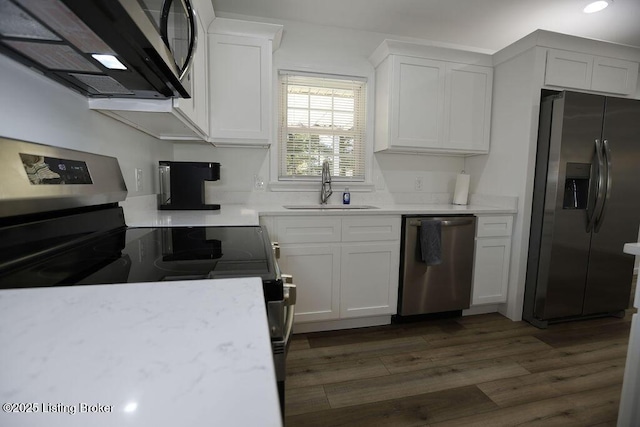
{"x": 491, "y": 260}
{"x": 431, "y": 100}
{"x": 343, "y": 267}
{"x": 368, "y": 279}
{"x": 316, "y": 271}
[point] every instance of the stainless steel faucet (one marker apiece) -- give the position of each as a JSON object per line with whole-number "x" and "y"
{"x": 325, "y": 191}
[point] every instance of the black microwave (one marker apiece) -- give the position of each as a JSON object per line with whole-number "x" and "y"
{"x": 104, "y": 48}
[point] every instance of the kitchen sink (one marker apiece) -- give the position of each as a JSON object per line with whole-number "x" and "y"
{"x": 319, "y": 206}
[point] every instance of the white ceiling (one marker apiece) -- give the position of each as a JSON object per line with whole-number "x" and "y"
{"x": 486, "y": 24}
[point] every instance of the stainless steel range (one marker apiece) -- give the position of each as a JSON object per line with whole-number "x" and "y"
{"x": 61, "y": 225}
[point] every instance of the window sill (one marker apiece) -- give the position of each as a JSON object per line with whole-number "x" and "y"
{"x": 354, "y": 187}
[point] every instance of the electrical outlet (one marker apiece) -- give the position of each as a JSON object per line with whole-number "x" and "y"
{"x": 258, "y": 182}
{"x": 418, "y": 184}
{"x": 138, "y": 173}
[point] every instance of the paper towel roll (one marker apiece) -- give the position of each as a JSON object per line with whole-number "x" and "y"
{"x": 461, "y": 192}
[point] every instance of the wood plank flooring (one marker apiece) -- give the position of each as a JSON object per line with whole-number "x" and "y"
{"x": 480, "y": 370}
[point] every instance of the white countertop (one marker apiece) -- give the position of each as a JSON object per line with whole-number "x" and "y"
{"x": 172, "y": 354}
{"x": 632, "y": 248}
{"x": 227, "y": 215}
{"x": 231, "y": 214}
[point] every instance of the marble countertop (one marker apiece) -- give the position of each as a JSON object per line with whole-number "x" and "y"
{"x": 152, "y": 354}
{"x": 231, "y": 214}
{"x": 632, "y": 248}
{"x": 226, "y": 216}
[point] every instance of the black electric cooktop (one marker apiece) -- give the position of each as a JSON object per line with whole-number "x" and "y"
{"x": 131, "y": 255}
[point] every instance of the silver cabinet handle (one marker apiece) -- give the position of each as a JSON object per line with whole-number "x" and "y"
{"x": 445, "y": 222}
{"x": 193, "y": 39}
{"x": 290, "y": 297}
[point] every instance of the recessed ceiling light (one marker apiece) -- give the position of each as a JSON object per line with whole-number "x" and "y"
{"x": 596, "y": 6}
{"x": 109, "y": 61}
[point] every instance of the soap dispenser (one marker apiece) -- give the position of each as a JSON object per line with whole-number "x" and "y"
{"x": 346, "y": 197}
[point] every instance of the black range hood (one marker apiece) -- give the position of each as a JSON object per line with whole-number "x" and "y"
{"x": 65, "y": 38}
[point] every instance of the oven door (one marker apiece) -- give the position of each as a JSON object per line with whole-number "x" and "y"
{"x": 280, "y": 346}
{"x": 281, "y": 315}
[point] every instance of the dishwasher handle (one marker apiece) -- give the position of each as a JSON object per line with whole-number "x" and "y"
{"x": 444, "y": 222}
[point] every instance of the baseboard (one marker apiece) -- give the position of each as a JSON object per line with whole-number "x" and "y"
{"x": 332, "y": 325}
{"x": 481, "y": 309}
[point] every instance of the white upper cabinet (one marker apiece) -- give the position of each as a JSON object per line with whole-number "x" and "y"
{"x": 418, "y": 107}
{"x": 569, "y": 69}
{"x": 590, "y": 72}
{"x": 240, "y": 66}
{"x": 177, "y": 118}
{"x": 614, "y": 75}
{"x": 432, "y": 100}
{"x": 468, "y": 107}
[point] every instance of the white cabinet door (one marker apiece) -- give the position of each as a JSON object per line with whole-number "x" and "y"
{"x": 432, "y": 106}
{"x": 468, "y": 107}
{"x": 417, "y": 102}
{"x": 369, "y": 279}
{"x": 614, "y": 75}
{"x": 316, "y": 272}
{"x": 568, "y": 69}
{"x": 491, "y": 270}
{"x": 240, "y": 94}
{"x": 597, "y": 73}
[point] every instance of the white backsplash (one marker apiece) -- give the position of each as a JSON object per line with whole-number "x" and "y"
{"x": 510, "y": 202}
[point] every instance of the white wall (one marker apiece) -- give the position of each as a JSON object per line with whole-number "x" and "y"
{"x": 37, "y": 109}
{"x": 338, "y": 51}
{"x": 238, "y": 166}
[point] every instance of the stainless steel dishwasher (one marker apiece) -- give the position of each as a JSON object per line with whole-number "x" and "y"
{"x": 437, "y": 288}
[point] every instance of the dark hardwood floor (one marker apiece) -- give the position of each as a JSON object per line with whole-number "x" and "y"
{"x": 482, "y": 370}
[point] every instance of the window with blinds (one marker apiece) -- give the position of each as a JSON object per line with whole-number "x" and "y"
{"x": 321, "y": 117}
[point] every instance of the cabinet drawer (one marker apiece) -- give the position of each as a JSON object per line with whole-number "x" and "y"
{"x": 494, "y": 226}
{"x": 316, "y": 229}
{"x": 369, "y": 229}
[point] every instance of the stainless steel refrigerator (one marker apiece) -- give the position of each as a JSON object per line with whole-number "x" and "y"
{"x": 586, "y": 206}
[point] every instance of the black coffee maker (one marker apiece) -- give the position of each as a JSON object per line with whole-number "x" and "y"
{"x": 182, "y": 185}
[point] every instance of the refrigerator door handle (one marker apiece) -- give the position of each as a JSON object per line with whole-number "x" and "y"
{"x": 606, "y": 150}
{"x": 596, "y": 191}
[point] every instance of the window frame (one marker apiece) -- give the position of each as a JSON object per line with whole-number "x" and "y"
{"x": 281, "y": 180}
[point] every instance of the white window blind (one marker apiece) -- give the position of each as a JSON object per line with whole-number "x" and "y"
{"x": 321, "y": 117}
